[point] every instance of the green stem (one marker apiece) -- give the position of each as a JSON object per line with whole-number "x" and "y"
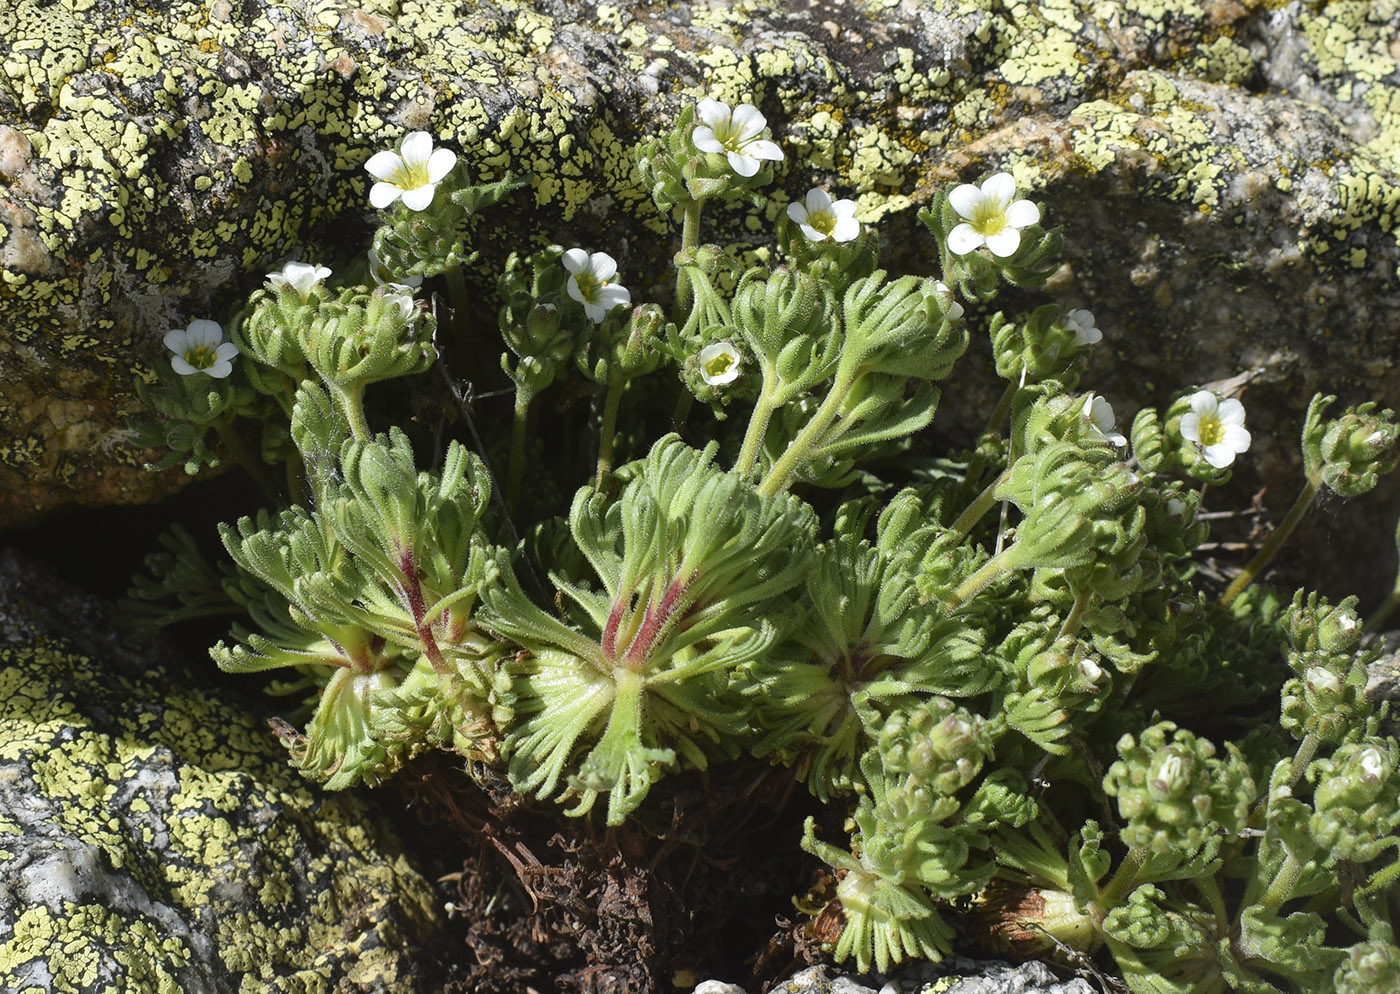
{"x": 980, "y": 505}
{"x": 1124, "y": 881}
{"x": 758, "y": 427}
{"x": 1270, "y": 549}
{"x": 682, "y": 412}
{"x": 780, "y": 474}
{"x": 353, "y": 406}
{"x": 605, "y": 442}
{"x": 245, "y": 457}
{"x": 1384, "y": 611}
{"x": 1072, "y": 621}
{"x": 990, "y": 570}
{"x": 1281, "y": 887}
{"x": 690, "y": 237}
{"x": 516, "y": 470}
{"x": 1002, "y": 409}
{"x": 1306, "y": 750}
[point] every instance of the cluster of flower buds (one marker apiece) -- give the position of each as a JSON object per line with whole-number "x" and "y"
{"x": 1042, "y": 346}
{"x": 532, "y": 320}
{"x": 937, "y": 743}
{"x": 1173, "y": 792}
{"x": 1355, "y": 803}
{"x": 1350, "y": 453}
{"x": 1370, "y": 967}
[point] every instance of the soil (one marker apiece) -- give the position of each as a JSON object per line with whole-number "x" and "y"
{"x": 698, "y": 884}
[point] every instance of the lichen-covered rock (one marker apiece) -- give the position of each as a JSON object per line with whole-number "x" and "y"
{"x": 958, "y": 975}
{"x": 1226, "y": 170}
{"x": 153, "y": 839}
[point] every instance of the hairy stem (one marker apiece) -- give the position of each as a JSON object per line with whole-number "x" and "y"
{"x": 515, "y": 472}
{"x": 605, "y": 441}
{"x": 780, "y": 474}
{"x": 1270, "y": 549}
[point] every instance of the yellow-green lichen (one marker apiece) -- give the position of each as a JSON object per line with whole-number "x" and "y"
{"x": 210, "y": 854}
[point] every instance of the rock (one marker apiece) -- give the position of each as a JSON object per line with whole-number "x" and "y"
{"x": 1226, "y": 174}
{"x": 958, "y": 975}
{"x": 154, "y": 839}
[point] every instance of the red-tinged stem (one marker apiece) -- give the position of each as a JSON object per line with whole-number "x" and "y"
{"x": 610, "y": 630}
{"x": 657, "y": 619}
{"x": 413, "y": 593}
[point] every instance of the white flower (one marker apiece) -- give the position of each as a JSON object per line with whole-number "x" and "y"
{"x": 399, "y": 301}
{"x": 823, "y": 219}
{"x": 1217, "y": 426}
{"x": 994, "y": 217}
{"x": 383, "y": 277}
{"x": 201, "y": 348}
{"x": 300, "y": 276}
{"x": 1372, "y": 764}
{"x": 1099, "y": 420}
{"x": 735, "y": 133}
{"x": 719, "y": 364}
{"x": 1090, "y": 671}
{"x": 413, "y": 172}
{"x": 589, "y": 283}
{"x": 954, "y": 309}
{"x": 1081, "y": 322}
{"x": 1321, "y": 680}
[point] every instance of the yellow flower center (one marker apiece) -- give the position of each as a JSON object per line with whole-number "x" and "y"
{"x": 823, "y": 221}
{"x": 1211, "y": 430}
{"x": 988, "y": 218}
{"x": 410, "y": 176}
{"x": 589, "y": 285}
{"x": 719, "y": 365}
{"x": 201, "y": 356}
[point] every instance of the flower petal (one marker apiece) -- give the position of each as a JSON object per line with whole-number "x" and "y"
{"x": 419, "y": 197}
{"x": 175, "y": 340}
{"x": 603, "y": 265}
{"x": 846, "y": 229}
{"x": 797, "y": 212}
{"x": 202, "y": 331}
{"x": 1022, "y": 214}
{"x": 219, "y": 369}
{"x": 1000, "y": 187}
{"x": 964, "y": 199}
{"x": 712, "y": 112}
{"x": 1231, "y": 412}
{"x": 440, "y": 163}
{"x": 1204, "y": 403}
{"x": 572, "y": 288}
{"x": 226, "y": 350}
{"x": 181, "y": 366}
{"x": 575, "y": 261}
{"x": 1190, "y": 427}
{"x": 817, "y": 200}
{"x": 963, "y": 239}
{"x": 704, "y": 139}
{"x": 382, "y": 165}
{"x": 742, "y": 164}
{"x": 381, "y": 195}
{"x": 763, "y": 149}
{"x": 612, "y": 295}
{"x": 1005, "y": 242}
{"x": 416, "y": 148}
{"x": 1237, "y": 437}
{"x": 747, "y": 121}
{"x": 812, "y": 233}
{"x": 1219, "y": 455}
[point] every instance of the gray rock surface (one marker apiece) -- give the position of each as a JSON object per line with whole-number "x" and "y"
{"x": 957, "y": 975}
{"x": 1226, "y": 174}
{"x": 153, "y": 838}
